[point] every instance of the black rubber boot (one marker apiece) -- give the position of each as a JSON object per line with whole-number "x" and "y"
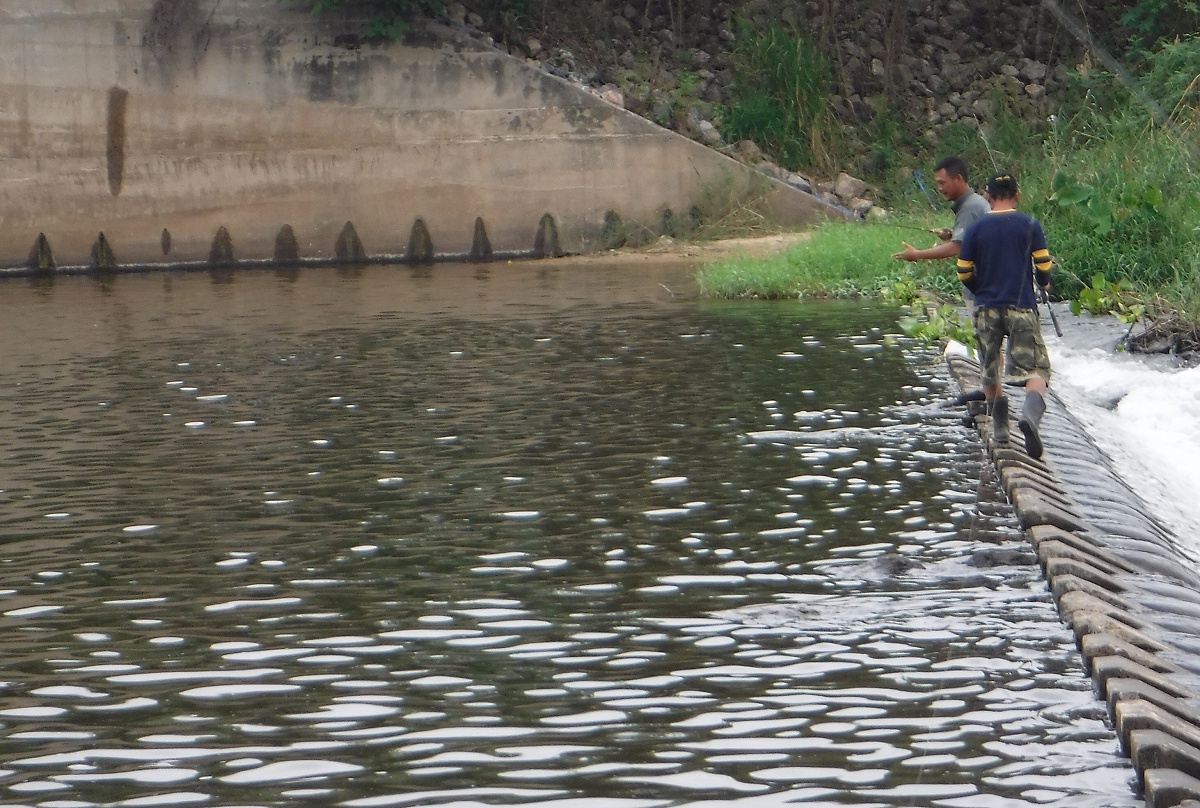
{"x": 968, "y": 397}
{"x": 974, "y": 410}
{"x": 1000, "y": 420}
{"x": 1031, "y": 419}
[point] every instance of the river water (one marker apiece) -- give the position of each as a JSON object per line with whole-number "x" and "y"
{"x": 533, "y": 534}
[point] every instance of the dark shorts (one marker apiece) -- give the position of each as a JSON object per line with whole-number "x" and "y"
{"x": 1027, "y": 351}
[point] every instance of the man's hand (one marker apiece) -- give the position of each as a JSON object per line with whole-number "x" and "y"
{"x": 944, "y": 233}
{"x": 909, "y": 253}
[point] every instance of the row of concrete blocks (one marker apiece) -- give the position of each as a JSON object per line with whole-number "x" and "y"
{"x": 1157, "y": 719}
{"x": 348, "y": 248}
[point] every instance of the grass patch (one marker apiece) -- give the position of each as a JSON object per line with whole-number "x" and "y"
{"x": 839, "y": 259}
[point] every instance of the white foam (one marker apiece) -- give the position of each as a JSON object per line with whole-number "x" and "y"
{"x": 1152, "y": 434}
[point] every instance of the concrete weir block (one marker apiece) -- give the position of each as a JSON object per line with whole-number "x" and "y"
{"x": 1013, "y": 475}
{"x": 1082, "y": 543}
{"x": 1134, "y": 715}
{"x": 1067, "y": 567}
{"x": 1155, "y": 749}
{"x": 1034, "y": 508}
{"x": 1135, "y": 689}
{"x": 1167, "y": 788}
{"x": 1019, "y": 481}
{"x": 1060, "y": 551}
{"x": 1085, "y": 622}
{"x": 1060, "y": 585}
{"x": 1095, "y": 646}
{"x": 1083, "y": 602}
{"x": 1114, "y": 667}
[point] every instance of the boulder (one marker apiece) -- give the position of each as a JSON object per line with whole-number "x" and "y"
{"x": 847, "y": 187}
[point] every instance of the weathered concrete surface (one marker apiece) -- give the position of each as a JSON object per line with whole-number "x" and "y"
{"x": 160, "y": 122}
{"x": 1123, "y": 586}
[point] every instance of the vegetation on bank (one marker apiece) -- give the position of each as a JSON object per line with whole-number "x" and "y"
{"x": 1114, "y": 176}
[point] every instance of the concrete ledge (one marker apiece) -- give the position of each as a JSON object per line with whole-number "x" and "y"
{"x": 1045, "y": 533}
{"x": 1167, "y": 788}
{"x": 1155, "y": 749}
{"x": 1085, "y": 622}
{"x": 1058, "y": 567}
{"x": 1060, "y": 585}
{"x": 1115, "y": 667}
{"x": 1035, "y": 509}
{"x": 1131, "y": 689}
{"x": 1134, "y": 715}
{"x": 1096, "y": 646}
{"x": 1083, "y": 602}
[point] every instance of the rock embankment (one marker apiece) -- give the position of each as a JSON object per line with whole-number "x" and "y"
{"x": 937, "y": 64}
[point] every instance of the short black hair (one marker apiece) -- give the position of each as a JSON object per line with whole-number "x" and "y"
{"x": 1002, "y": 186}
{"x": 954, "y": 165}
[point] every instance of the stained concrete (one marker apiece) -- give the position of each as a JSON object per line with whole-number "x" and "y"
{"x": 135, "y": 117}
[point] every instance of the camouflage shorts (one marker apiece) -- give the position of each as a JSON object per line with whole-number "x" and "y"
{"x": 1027, "y": 351}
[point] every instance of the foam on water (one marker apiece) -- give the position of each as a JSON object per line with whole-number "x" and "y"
{"x": 1147, "y": 420}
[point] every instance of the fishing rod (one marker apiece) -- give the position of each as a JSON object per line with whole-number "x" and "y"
{"x": 1053, "y": 317}
{"x": 933, "y": 230}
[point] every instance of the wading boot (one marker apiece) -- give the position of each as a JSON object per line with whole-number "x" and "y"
{"x": 974, "y": 410}
{"x": 1000, "y": 421}
{"x": 1031, "y": 418}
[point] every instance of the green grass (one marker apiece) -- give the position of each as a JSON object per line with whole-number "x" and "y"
{"x": 839, "y": 259}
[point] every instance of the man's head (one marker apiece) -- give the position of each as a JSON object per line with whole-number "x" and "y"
{"x": 950, "y": 174}
{"x": 1002, "y": 186}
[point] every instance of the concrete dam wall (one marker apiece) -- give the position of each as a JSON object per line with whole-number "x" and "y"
{"x": 198, "y": 131}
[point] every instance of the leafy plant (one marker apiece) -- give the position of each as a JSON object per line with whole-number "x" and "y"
{"x": 1107, "y": 297}
{"x": 901, "y": 292}
{"x": 1156, "y": 19}
{"x": 944, "y": 322}
{"x": 1068, "y": 193}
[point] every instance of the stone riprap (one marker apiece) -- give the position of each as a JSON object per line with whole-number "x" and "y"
{"x": 1120, "y": 582}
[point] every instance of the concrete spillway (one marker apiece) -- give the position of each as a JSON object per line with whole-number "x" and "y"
{"x": 137, "y": 132}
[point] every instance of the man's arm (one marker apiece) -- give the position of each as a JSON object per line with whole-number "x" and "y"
{"x": 947, "y": 249}
{"x": 1042, "y": 262}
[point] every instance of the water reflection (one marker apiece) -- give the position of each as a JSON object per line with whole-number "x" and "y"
{"x": 344, "y": 548}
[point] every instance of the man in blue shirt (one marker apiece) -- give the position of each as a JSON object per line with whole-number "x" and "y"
{"x": 995, "y": 261}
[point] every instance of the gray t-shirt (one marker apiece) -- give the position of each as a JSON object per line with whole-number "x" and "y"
{"x": 968, "y": 209}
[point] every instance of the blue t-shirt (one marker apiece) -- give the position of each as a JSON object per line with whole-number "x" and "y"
{"x": 998, "y": 254}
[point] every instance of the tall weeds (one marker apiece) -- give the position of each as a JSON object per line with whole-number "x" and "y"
{"x": 780, "y": 98}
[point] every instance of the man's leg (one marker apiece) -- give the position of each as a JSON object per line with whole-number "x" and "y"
{"x": 989, "y": 335}
{"x": 1033, "y": 365}
{"x": 1031, "y": 416}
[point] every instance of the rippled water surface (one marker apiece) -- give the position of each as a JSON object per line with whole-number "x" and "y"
{"x": 509, "y": 536}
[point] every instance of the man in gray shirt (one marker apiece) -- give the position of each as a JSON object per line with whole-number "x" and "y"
{"x": 950, "y": 174}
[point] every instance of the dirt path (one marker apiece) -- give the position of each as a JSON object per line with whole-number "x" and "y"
{"x": 668, "y": 250}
